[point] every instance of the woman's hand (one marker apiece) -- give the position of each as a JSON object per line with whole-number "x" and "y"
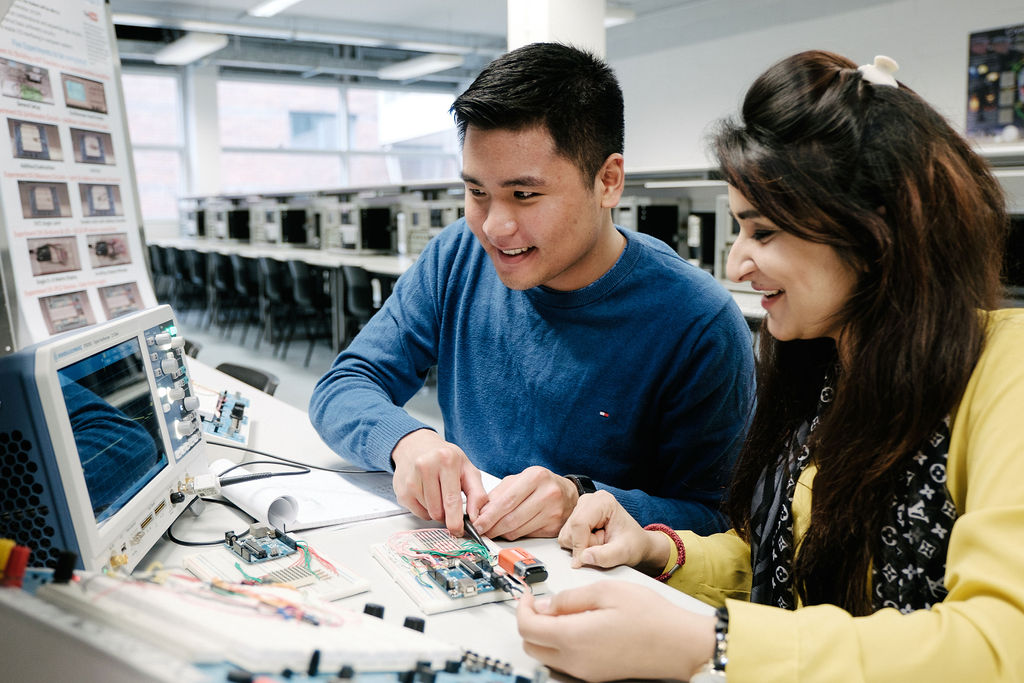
{"x": 612, "y": 630}
{"x": 601, "y": 533}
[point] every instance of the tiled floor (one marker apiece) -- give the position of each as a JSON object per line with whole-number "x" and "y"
{"x": 296, "y": 381}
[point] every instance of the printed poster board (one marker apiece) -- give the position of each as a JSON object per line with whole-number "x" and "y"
{"x": 74, "y": 252}
{"x": 995, "y": 86}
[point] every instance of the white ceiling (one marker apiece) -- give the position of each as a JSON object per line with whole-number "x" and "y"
{"x": 482, "y": 17}
{"x": 336, "y": 39}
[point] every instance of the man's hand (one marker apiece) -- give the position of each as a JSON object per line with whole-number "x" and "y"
{"x": 535, "y": 502}
{"x": 430, "y": 477}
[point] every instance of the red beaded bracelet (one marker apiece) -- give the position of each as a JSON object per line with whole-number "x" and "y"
{"x": 680, "y": 548}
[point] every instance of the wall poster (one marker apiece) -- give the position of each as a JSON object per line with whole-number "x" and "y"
{"x": 72, "y": 247}
{"x": 995, "y": 85}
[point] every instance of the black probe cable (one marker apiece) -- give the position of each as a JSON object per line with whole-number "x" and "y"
{"x": 339, "y": 470}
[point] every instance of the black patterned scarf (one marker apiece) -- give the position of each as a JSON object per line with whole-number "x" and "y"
{"x": 907, "y": 573}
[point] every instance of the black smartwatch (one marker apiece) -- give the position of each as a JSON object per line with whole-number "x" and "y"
{"x": 584, "y": 484}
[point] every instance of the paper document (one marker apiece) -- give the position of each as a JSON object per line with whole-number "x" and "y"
{"x": 311, "y": 500}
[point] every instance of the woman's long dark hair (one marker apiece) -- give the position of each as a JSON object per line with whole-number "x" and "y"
{"x": 881, "y": 177}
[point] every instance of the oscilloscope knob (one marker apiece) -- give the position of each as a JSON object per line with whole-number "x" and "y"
{"x": 176, "y": 394}
{"x": 190, "y": 403}
{"x": 184, "y": 428}
{"x": 169, "y": 366}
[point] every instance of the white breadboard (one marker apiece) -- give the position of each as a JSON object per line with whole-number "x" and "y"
{"x": 427, "y": 595}
{"x": 325, "y": 582}
{"x": 187, "y": 619}
{"x": 125, "y": 651}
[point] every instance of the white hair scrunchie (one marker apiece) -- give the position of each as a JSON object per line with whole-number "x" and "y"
{"x": 881, "y": 71}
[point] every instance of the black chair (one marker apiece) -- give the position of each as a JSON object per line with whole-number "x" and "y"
{"x": 158, "y": 272}
{"x": 312, "y": 305}
{"x": 223, "y": 301}
{"x": 246, "y": 277}
{"x": 359, "y": 304}
{"x": 275, "y": 300}
{"x": 261, "y": 379}
{"x": 193, "y": 280}
{"x": 174, "y": 265}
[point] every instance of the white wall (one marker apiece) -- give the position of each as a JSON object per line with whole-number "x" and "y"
{"x": 685, "y": 68}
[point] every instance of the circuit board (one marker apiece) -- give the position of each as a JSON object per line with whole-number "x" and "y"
{"x": 227, "y": 420}
{"x": 265, "y": 544}
{"x": 442, "y": 573}
{"x": 302, "y": 568}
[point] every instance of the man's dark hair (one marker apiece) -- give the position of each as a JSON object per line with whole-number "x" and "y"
{"x": 569, "y": 91}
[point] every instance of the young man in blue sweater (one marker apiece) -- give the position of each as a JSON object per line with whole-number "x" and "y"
{"x": 570, "y": 354}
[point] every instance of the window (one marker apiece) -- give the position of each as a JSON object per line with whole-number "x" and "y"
{"x": 254, "y": 172}
{"x": 411, "y": 132}
{"x": 278, "y": 136}
{"x": 153, "y": 106}
{"x": 270, "y": 115}
{"x": 314, "y": 130}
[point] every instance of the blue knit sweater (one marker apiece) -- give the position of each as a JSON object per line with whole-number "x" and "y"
{"x": 642, "y": 380}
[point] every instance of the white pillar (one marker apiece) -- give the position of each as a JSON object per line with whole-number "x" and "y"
{"x": 575, "y": 22}
{"x": 204, "y": 125}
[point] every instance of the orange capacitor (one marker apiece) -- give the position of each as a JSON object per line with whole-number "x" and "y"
{"x": 518, "y": 562}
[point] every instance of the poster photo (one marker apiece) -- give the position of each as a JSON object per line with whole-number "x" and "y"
{"x": 63, "y": 312}
{"x": 84, "y": 93}
{"x": 100, "y": 200}
{"x": 995, "y": 86}
{"x": 92, "y": 147}
{"x": 118, "y": 300}
{"x": 49, "y": 255}
{"x": 31, "y": 140}
{"x": 25, "y": 81}
{"x": 110, "y": 249}
{"x": 44, "y": 199}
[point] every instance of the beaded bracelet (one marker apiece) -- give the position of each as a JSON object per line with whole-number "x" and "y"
{"x": 680, "y": 548}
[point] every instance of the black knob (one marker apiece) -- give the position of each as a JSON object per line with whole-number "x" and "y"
{"x": 415, "y": 623}
{"x": 346, "y": 673}
{"x": 374, "y": 610}
{"x": 177, "y": 497}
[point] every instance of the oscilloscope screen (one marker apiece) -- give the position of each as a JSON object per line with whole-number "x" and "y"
{"x": 115, "y": 425}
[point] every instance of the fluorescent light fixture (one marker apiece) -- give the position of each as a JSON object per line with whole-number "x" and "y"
{"x": 189, "y": 48}
{"x": 419, "y": 66}
{"x": 615, "y": 16}
{"x": 263, "y": 30}
{"x": 668, "y": 184}
{"x": 269, "y": 8}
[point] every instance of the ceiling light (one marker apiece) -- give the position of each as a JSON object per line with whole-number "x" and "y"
{"x": 419, "y": 66}
{"x": 696, "y": 182}
{"x": 615, "y": 16}
{"x": 189, "y": 48}
{"x": 269, "y": 8}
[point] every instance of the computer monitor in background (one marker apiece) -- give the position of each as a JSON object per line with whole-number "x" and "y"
{"x": 293, "y": 226}
{"x": 99, "y": 441}
{"x": 238, "y": 224}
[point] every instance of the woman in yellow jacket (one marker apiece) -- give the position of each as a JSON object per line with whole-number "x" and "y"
{"x": 878, "y": 505}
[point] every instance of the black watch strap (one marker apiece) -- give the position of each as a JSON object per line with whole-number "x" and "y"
{"x": 584, "y": 484}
